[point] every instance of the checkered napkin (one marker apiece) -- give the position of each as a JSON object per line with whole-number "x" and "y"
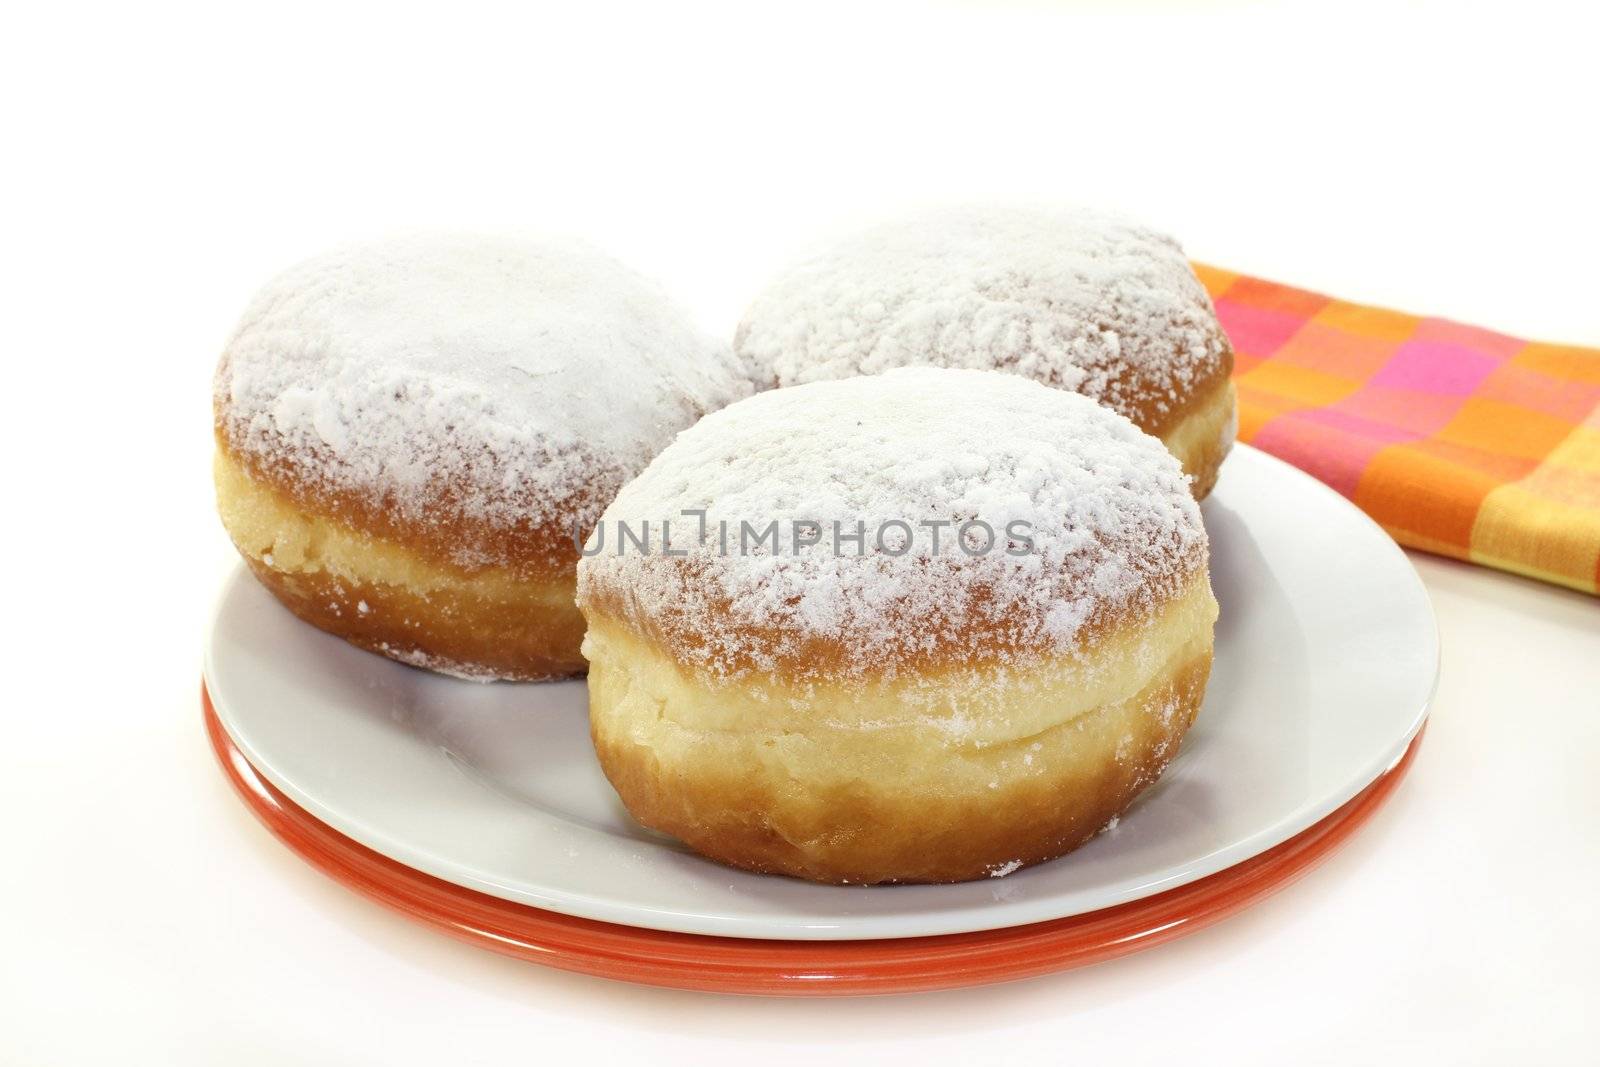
{"x": 1457, "y": 440}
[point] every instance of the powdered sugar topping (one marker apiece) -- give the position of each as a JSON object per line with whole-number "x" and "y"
{"x": 1075, "y": 299}
{"x": 497, "y": 378}
{"x": 1108, "y": 514}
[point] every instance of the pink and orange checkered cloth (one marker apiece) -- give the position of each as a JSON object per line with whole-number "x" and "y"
{"x": 1458, "y": 440}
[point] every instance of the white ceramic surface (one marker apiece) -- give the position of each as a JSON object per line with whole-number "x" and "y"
{"x": 1326, "y": 660}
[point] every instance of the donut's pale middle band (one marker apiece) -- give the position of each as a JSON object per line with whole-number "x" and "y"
{"x": 1202, "y": 438}
{"x": 976, "y": 707}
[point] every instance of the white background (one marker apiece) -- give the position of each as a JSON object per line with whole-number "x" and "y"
{"x": 158, "y": 164}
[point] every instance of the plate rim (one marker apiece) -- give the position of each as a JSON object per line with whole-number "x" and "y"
{"x": 794, "y": 967}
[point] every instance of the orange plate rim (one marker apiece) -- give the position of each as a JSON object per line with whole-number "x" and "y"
{"x": 793, "y": 968}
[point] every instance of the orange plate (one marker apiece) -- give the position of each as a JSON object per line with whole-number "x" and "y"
{"x": 793, "y": 968}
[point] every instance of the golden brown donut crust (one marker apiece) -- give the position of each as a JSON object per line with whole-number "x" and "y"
{"x": 396, "y": 595}
{"x": 1092, "y": 768}
{"x": 460, "y": 634}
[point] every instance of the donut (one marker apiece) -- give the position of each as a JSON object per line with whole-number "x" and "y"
{"x": 1075, "y": 299}
{"x": 797, "y": 675}
{"x": 413, "y": 435}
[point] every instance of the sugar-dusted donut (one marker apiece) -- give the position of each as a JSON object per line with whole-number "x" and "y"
{"x": 409, "y": 431}
{"x": 889, "y": 699}
{"x": 1075, "y": 299}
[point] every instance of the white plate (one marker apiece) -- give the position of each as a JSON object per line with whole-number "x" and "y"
{"x": 1326, "y": 659}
